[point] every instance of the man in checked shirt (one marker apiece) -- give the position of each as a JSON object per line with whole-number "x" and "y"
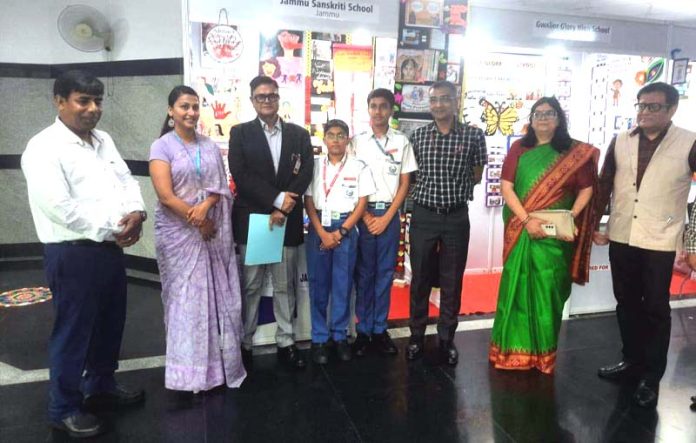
{"x": 450, "y": 158}
{"x": 690, "y": 247}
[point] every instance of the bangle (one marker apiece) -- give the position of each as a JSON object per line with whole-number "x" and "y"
{"x": 283, "y": 212}
{"x": 526, "y": 220}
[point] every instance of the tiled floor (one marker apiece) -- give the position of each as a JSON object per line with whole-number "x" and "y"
{"x": 375, "y": 399}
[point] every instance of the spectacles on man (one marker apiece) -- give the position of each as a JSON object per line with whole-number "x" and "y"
{"x": 544, "y": 115}
{"x": 266, "y": 98}
{"x": 650, "y": 107}
{"x": 444, "y": 99}
{"x": 331, "y": 136}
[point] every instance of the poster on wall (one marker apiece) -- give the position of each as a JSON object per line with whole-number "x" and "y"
{"x": 222, "y": 64}
{"x": 282, "y": 58}
{"x": 424, "y": 13}
{"x": 456, "y": 16}
{"x": 385, "y": 63}
{"x": 506, "y": 87}
{"x": 220, "y": 44}
{"x": 353, "y": 82}
{"x": 415, "y": 99}
{"x": 494, "y": 169}
{"x": 413, "y": 65}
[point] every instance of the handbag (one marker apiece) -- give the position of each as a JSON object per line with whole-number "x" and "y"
{"x": 559, "y": 222}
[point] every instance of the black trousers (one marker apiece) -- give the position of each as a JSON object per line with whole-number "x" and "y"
{"x": 89, "y": 304}
{"x": 641, "y": 280}
{"x": 441, "y": 238}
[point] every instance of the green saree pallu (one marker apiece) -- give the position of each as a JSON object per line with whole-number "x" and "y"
{"x": 538, "y": 274}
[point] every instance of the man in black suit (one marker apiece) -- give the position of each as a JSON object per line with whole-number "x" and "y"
{"x": 271, "y": 162}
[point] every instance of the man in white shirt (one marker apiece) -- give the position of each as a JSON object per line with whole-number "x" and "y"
{"x": 389, "y": 156}
{"x": 86, "y": 207}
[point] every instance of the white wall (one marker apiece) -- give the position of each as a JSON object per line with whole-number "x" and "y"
{"x": 516, "y": 28}
{"x": 143, "y": 30}
{"x": 684, "y": 39}
{"x": 265, "y": 15}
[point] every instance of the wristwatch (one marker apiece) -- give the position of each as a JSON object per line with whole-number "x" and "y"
{"x": 143, "y": 215}
{"x": 344, "y": 232}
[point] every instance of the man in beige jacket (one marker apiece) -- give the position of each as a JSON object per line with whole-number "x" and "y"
{"x": 647, "y": 172}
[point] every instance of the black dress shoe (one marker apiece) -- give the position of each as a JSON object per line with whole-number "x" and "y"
{"x": 384, "y": 343}
{"x": 116, "y": 398}
{"x": 320, "y": 353}
{"x": 617, "y": 371}
{"x": 693, "y": 403}
{"x": 414, "y": 350}
{"x": 646, "y": 395}
{"x": 343, "y": 351}
{"x": 80, "y": 425}
{"x": 247, "y": 359}
{"x": 360, "y": 344}
{"x": 448, "y": 352}
{"x": 291, "y": 357}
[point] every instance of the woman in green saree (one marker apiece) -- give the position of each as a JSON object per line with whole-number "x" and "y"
{"x": 546, "y": 169}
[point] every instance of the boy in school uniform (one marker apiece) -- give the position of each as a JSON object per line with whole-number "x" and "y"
{"x": 335, "y": 201}
{"x": 388, "y": 154}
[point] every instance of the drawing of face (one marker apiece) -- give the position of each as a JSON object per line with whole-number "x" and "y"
{"x": 409, "y": 70}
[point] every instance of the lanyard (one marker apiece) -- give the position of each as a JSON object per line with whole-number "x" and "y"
{"x": 327, "y": 191}
{"x": 383, "y": 148}
{"x": 197, "y": 162}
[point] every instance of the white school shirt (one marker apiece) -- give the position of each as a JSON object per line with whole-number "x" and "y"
{"x": 274, "y": 137}
{"x": 353, "y": 181}
{"x": 77, "y": 190}
{"x": 388, "y": 165}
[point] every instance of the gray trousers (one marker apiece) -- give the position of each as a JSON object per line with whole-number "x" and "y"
{"x": 283, "y": 277}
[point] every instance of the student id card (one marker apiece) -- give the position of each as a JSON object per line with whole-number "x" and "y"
{"x": 326, "y": 217}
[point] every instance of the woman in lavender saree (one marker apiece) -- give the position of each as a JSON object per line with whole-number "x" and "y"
{"x": 195, "y": 253}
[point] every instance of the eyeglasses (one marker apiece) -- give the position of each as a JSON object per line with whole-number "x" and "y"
{"x": 331, "y": 136}
{"x": 266, "y": 98}
{"x": 444, "y": 99}
{"x": 650, "y": 107}
{"x": 544, "y": 115}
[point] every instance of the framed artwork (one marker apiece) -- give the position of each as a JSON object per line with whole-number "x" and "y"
{"x": 679, "y": 70}
{"x": 424, "y": 13}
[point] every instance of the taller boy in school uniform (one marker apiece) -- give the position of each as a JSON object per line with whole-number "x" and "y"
{"x": 389, "y": 156}
{"x": 335, "y": 201}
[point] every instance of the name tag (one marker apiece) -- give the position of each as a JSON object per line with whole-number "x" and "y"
{"x": 326, "y": 217}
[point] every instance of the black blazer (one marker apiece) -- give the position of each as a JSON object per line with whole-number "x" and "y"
{"x": 251, "y": 166}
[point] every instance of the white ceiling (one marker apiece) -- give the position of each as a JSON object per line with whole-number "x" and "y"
{"x": 679, "y": 12}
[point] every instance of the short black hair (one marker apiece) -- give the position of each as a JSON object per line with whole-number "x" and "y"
{"x": 381, "y": 93}
{"x": 261, "y": 80}
{"x": 336, "y": 123}
{"x": 671, "y": 93}
{"x": 77, "y": 81}
{"x": 444, "y": 84}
